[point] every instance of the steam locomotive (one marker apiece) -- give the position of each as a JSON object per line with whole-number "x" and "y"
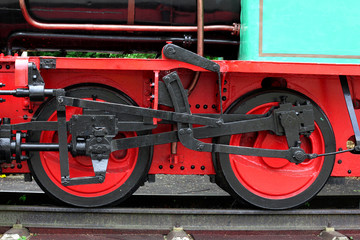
{"x": 270, "y": 122}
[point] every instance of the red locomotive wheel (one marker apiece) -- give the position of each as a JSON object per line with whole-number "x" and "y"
{"x": 126, "y": 169}
{"x": 275, "y": 183}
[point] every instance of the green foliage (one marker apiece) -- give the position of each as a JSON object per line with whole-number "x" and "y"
{"x": 51, "y": 54}
{"x": 22, "y": 198}
{"x": 214, "y": 58}
{"x": 92, "y": 54}
{"x": 74, "y": 54}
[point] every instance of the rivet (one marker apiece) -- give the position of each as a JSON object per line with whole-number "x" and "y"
{"x": 182, "y": 167}
{"x": 171, "y": 166}
{"x": 192, "y": 166}
{"x": 339, "y": 161}
{"x": 160, "y": 167}
{"x": 349, "y": 171}
{"x": 197, "y": 105}
{"x": 202, "y": 167}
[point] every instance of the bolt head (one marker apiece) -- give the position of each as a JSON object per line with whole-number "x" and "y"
{"x": 299, "y": 156}
{"x": 216, "y": 67}
{"x": 101, "y": 178}
{"x": 219, "y": 122}
{"x": 171, "y": 50}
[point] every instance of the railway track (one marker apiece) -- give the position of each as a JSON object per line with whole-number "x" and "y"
{"x": 150, "y": 223}
{"x": 202, "y": 216}
{"x": 163, "y": 219}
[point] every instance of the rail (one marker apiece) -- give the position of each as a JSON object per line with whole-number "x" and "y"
{"x": 190, "y": 219}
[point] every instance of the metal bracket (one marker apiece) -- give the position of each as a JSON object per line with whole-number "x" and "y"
{"x": 292, "y": 120}
{"x": 177, "y": 53}
{"x": 98, "y": 156}
{"x": 36, "y": 87}
{"x": 36, "y": 84}
{"x": 351, "y": 111}
{"x": 91, "y": 136}
{"x": 47, "y": 63}
{"x": 5, "y": 141}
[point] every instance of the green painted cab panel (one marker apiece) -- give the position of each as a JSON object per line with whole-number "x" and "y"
{"x": 300, "y": 31}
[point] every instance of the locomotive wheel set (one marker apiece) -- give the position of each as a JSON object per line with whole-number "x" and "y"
{"x": 269, "y": 127}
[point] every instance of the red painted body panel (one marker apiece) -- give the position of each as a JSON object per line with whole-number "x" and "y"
{"x": 319, "y": 82}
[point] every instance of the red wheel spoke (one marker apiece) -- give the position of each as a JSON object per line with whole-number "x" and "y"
{"x": 276, "y": 183}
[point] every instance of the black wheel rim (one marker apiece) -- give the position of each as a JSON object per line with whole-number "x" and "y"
{"x": 117, "y": 192}
{"x": 237, "y": 186}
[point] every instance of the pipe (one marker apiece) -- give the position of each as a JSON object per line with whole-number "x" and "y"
{"x": 40, "y": 147}
{"x": 114, "y": 27}
{"x": 131, "y": 12}
{"x": 200, "y": 42}
{"x": 139, "y": 39}
{"x": 200, "y": 27}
